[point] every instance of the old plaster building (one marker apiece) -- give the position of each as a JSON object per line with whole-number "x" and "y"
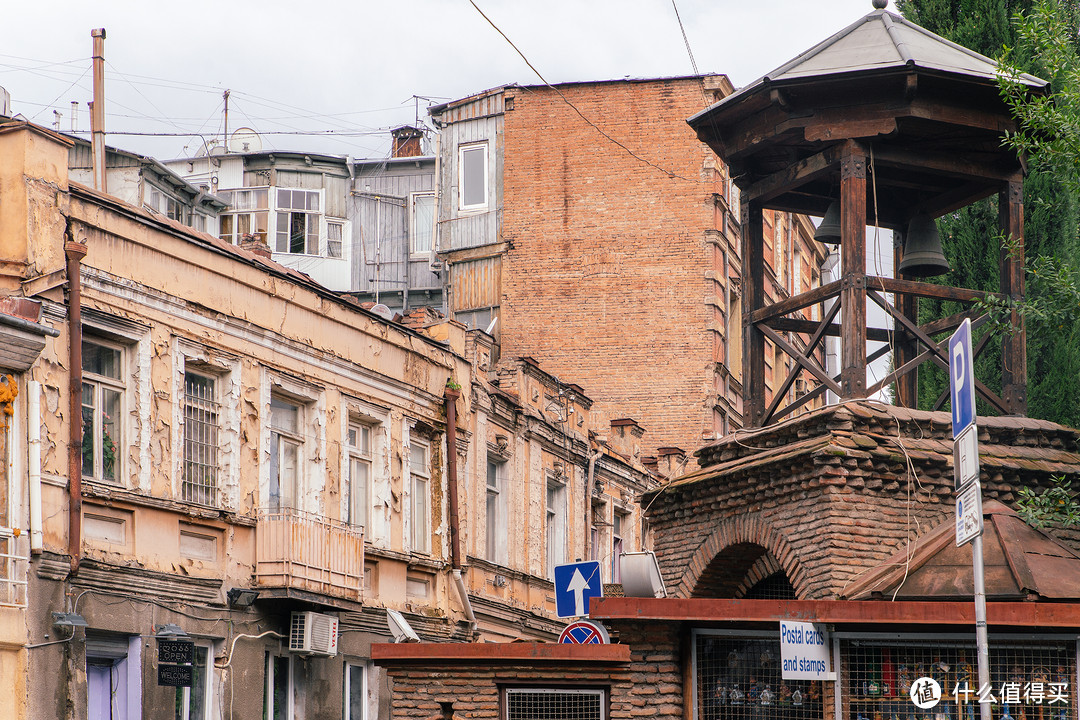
{"x": 203, "y": 443}
{"x": 587, "y": 226}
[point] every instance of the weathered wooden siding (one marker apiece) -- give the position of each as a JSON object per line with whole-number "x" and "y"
{"x": 476, "y": 283}
{"x": 459, "y": 230}
{"x": 380, "y": 212}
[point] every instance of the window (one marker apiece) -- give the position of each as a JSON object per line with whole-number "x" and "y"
{"x": 333, "y": 239}
{"x": 422, "y": 223}
{"x": 472, "y": 183}
{"x": 278, "y": 691}
{"x": 247, "y": 215}
{"x": 420, "y": 511}
{"x": 298, "y": 218}
{"x": 359, "y": 473}
{"x": 201, "y": 422}
{"x": 496, "y": 540}
{"x": 355, "y": 703}
{"x": 618, "y": 527}
{"x": 102, "y": 406}
{"x": 167, "y": 206}
{"x": 285, "y": 445}
{"x": 555, "y": 525}
{"x": 195, "y": 702}
{"x": 566, "y": 704}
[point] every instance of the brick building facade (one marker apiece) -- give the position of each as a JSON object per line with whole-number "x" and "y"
{"x": 608, "y": 247}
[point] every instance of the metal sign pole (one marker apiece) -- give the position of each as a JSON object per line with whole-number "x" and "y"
{"x": 982, "y": 642}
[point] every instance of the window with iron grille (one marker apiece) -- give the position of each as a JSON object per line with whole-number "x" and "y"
{"x": 739, "y": 677}
{"x": 201, "y": 422}
{"x": 555, "y": 704}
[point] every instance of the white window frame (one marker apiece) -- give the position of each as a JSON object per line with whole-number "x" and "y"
{"x": 100, "y": 383}
{"x": 463, "y": 150}
{"x": 347, "y": 689}
{"x": 620, "y": 523}
{"x": 414, "y": 226}
{"x": 208, "y": 697}
{"x": 555, "y": 524}
{"x": 358, "y": 509}
{"x": 340, "y": 240}
{"x": 280, "y": 438}
{"x": 268, "y": 686}
{"x": 311, "y": 432}
{"x": 310, "y": 232}
{"x": 496, "y": 540}
{"x": 420, "y": 487}
{"x": 225, "y": 369}
{"x": 380, "y": 498}
{"x": 251, "y": 211}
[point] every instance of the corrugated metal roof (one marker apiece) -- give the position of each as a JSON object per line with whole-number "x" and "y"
{"x": 879, "y": 41}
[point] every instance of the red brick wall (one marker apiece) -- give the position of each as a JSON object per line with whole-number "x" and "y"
{"x": 649, "y": 687}
{"x": 606, "y": 279}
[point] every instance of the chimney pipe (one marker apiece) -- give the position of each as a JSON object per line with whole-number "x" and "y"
{"x": 97, "y": 110}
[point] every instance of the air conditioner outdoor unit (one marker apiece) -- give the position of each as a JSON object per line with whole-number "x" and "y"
{"x": 312, "y": 633}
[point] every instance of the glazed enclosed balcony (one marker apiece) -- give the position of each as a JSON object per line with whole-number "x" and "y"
{"x": 304, "y": 556}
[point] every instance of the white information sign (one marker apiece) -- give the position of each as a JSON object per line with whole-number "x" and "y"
{"x": 966, "y": 456}
{"x": 969, "y": 516}
{"x": 804, "y": 651}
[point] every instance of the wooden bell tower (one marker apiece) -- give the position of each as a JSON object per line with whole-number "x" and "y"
{"x": 892, "y": 122}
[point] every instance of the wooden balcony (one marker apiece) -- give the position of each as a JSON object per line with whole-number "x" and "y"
{"x": 304, "y": 554}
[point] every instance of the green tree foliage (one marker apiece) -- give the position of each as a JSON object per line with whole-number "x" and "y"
{"x": 970, "y": 237}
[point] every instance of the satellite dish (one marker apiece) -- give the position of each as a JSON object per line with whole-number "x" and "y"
{"x": 383, "y": 311}
{"x": 245, "y": 140}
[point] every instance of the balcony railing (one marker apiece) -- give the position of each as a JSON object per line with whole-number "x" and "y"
{"x": 303, "y": 551}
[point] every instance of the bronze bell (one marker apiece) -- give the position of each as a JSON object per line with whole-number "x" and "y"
{"x": 922, "y": 249}
{"x": 828, "y": 231}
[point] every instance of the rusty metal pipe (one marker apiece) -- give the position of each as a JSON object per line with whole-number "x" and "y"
{"x": 75, "y": 252}
{"x": 451, "y": 397}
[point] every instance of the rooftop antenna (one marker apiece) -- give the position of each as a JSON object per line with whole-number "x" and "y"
{"x": 225, "y": 134}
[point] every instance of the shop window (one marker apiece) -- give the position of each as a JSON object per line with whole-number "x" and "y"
{"x": 355, "y": 702}
{"x": 278, "y": 691}
{"x": 113, "y": 681}
{"x": 196, "y": 702}
{"x": 420, "y": 495}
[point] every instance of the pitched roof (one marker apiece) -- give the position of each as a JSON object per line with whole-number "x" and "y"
{"x": 1019, "y": 562}
{"x": 880, "y": 42}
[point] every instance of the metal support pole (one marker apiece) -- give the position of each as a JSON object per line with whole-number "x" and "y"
{"x": 982, "y": 643}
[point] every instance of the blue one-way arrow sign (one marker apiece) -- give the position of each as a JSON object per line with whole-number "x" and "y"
{"x": 575, "y": 584}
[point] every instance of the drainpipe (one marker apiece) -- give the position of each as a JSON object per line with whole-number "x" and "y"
{"x": 75, "y": 252}
{"x": 590, "y": 482}
{"x": 451, "y": 397}
{"x": 33, "y": 462}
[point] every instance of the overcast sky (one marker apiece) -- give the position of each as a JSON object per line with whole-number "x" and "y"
{"x": 353, "y": 67}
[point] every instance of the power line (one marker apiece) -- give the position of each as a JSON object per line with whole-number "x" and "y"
{"x": 565, "y": 99}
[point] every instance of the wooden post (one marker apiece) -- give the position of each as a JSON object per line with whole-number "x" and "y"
{"x": 853, "y": 271}
{"x": 1014, "y": 345}
{"x": 753, "y": 296}
{"x": 905, "y": 350}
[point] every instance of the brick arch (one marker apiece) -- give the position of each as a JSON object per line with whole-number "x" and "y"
{"x": 748, "y": 538}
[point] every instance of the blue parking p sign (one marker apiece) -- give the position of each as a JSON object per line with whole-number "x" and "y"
{"x": 575, "y": 584}
{"x": 961, "y": 378}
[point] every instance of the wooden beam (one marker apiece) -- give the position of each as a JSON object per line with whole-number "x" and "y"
{"x": 943, "y": 163}
{"x": 809, "y": 365}
{"x": 805, "y": 327}
{"x": 822, "y": 327}
{"x": 794, "y": 175}
{"x": 797, "y": 302}
{"x": 853, "y": 277}
{"x": 1014, "y": 345}
{"x": 753, "y": 280}
{"x": 927, "y": 290}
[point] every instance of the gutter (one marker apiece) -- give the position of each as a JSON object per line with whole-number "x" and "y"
{"x": 451, "y": 397}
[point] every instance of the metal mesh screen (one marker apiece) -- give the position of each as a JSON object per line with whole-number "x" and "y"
{"x": 201, "y": 412}
{"x": 738, "y": 678}
{"x": 545, "y": 704}
{"x": 1029, "y": 681}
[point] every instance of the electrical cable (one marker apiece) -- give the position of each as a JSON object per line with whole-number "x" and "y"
{"x": 669, "y": 173}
